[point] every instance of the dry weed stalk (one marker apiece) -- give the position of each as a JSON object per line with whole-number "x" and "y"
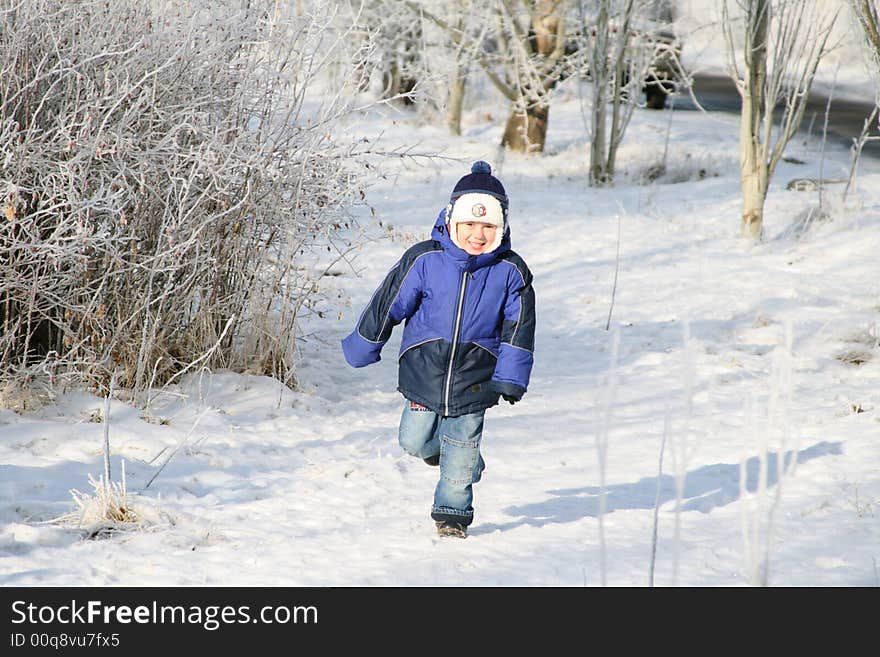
{"x": 109, "y": 502}
{"x": 106, "y": 510}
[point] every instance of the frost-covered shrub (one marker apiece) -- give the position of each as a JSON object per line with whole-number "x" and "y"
{"x": 170, "y": 195}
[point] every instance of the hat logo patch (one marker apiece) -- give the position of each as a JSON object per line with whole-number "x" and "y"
{"x": 478, "y": 210}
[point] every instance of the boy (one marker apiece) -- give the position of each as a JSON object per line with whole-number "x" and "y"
{"x": 469, "y": 337}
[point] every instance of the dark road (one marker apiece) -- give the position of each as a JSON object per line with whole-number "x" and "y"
{"x": 845, "y": 117}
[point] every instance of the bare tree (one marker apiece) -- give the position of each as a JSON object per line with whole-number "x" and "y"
{"x": 401, "y": 54}
{"x": 521, "y": 48}
{"x": 458, "y": 78}
{"x": 782, "y": 44}
{"x": 445, "y": 52}
{"x": 867, "y": 14}
{"x": 618, "y": 55}
{"x": 389, "y": 49}
{"x": 627, "y": 49}
{"x": 535, "y": 44}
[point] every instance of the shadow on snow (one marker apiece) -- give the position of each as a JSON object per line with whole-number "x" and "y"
{"x": 706, "y": 488}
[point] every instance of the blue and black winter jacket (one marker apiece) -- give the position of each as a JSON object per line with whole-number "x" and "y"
{"x": 470, "y": 324}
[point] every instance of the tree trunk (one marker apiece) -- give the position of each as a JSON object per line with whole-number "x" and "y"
{"x": 754, "y": 193}
{"x": 869, "y": 18}
{"x": 752, "y": 164}
{"x": 754, "y": 172}
{"x": 456, "y": 101}
{"x": 613, "y": 72}
{"x": 397, "y": 86}
{"x": 598, "y": 79}
{"x": 403, "y": 58}
{"x": 526, "y": 131}
{"x": 601, "y": 168}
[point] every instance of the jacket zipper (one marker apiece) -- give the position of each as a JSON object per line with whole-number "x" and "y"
{"x": 455, "y": 340}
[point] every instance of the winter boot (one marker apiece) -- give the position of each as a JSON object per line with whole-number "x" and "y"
{"x": 433, "y": 460}
{"x": 451, "y": 528}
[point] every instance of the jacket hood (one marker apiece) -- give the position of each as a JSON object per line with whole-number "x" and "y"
{"x": 460, "y": 256}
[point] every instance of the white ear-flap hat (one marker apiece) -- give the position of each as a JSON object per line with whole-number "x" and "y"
{"x": 482, "y": 208}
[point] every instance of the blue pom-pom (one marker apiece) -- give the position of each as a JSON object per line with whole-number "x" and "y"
{"x": 481, "y": 167}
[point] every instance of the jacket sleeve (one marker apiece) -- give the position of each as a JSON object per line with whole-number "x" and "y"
{"x": 516, "y": 355}
{"x": 393, "y": 301}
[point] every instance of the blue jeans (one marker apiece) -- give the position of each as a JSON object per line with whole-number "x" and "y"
{"x": 424, "y": 433}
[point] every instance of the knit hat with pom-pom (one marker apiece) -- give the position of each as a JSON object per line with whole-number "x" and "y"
{"x": 478, "y": 196}
{"x": 481, "y": 181}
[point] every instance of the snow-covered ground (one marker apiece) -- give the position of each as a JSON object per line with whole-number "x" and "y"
{"x": 734, "y": 394}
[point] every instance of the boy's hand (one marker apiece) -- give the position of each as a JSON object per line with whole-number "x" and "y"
{"x": 510, "y": 392}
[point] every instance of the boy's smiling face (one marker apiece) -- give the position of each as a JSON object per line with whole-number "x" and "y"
{"x": 475, "y": 236}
